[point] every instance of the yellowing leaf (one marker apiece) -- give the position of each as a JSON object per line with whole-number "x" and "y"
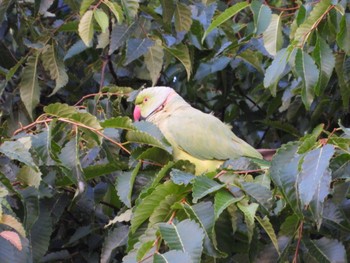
{"x": 272, "y": 36}
{"x": 86, "y": 30}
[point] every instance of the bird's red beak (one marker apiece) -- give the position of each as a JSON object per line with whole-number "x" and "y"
{"x": 137, "y": 113}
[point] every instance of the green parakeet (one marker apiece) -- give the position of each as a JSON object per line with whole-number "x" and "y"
{"x": 198, "y": 137}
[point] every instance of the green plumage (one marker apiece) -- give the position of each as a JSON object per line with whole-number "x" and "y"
{"x": 195, "y": 136}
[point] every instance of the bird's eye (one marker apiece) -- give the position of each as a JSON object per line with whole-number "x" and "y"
{"x": 145, "y": 99}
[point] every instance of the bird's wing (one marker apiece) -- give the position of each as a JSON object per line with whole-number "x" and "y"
{"x": 205, "y": 137}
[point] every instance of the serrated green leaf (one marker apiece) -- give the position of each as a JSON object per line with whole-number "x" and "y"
{"x": 186, "y": 236}
{"x": 343, "y": 80}
{"x": 249, "y": 211}
{"x": 115, "y": 9}
{"x": 86, "y": 28}
{"x": 325, "y": 60}
{"x": 203, "y": 186}
{"x": 55, "y": 66}
{"x": 343, "y": 36}
{"x": 276, "y": 70}
{"x": 180, "y": 177}
{"x": 136, "y": 48}
{"x": 154, "y": 61}
{"x": 262, "y": 16}
{"x": 163, "y": 212}
{"x": 168, "y": 10}
{"x": 16, "y": 150}
{"x": 272, "y": 36}
{"x": 223, "y": 17}
{"x": 284, "y": 171}
{"x": 260, "y": 193}
{"x": 124, "y": 184}
{"x": 149, "y": 134}
{"x": 182, "y": 54}
{"x": 173, "y": 256}
{"x": 69, "y": 112}
{"x": 40, "y": 234}
{"x": 314, "y": 166}
{"x": 183, "y": 20}
{"x": 311, "y": 22}
{"x": 266, "y": 224}
{"x": 85, "y": 5}
{"x": 203, "y": 214}
{"x": 222, "y": 200}
{"x": 120, "y": 122}
{"x": 325, "y": 249}
{"x": 29, "y": 86}
{"x": 147, "y": 205}
{"x": 30, "y": 198}
{"x": 29, "y": 176}
{"x": 102, "y": 19}
{"x": 114, "y": 239}
{"x": 308, "y": 71}
{"x": 130, "y": 8}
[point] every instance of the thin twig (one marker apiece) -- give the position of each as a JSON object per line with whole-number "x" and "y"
{"x": 300, "y": 234}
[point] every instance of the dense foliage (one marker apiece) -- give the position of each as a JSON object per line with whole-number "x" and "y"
{"x": 80, "y": 182}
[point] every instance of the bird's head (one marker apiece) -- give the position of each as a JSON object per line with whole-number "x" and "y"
{"x": 151, "y": 100}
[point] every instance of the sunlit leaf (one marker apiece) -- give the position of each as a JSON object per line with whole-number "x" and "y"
{"x": 120, "y": 122}
{"x": 223, "y": 17}
{"x": 273, "y": 39}
{"x": 86, "y": 28}
{"x": 310, "y": 24}
{"x": 115, "y": 9}
{"x": 85, "y": 5}
{"x": 29, "y": 176}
